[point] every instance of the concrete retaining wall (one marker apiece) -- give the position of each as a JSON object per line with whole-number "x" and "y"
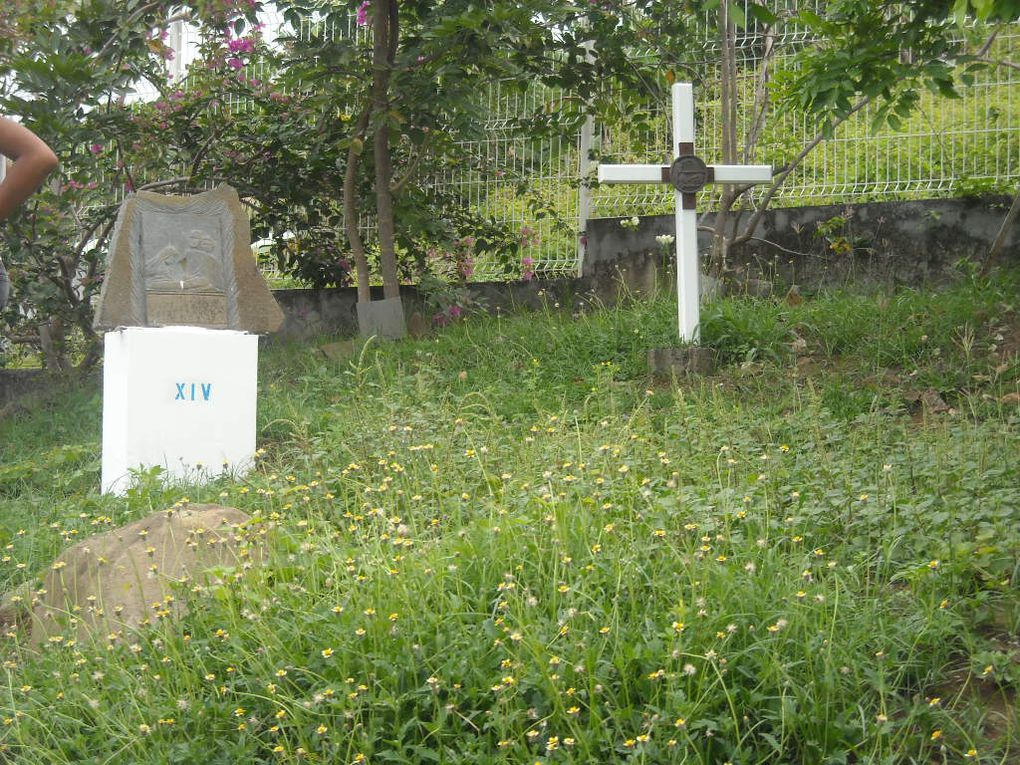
{"x": 15, "y": 383}
{"x": 909, "y": 243}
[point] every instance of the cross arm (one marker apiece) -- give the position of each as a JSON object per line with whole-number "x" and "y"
{"x": 631, "y": 173}
{"x": 654, "y": 173}
{"x": 742, "y": 173}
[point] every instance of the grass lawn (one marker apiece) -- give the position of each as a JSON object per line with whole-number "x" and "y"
{"x": 508, "y": 544}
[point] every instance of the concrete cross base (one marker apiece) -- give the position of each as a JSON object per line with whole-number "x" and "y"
{"x": 688, "y": 360}
{"x": 382, "y": 318}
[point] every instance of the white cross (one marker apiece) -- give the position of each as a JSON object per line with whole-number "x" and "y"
{"x": 688, "y": 173}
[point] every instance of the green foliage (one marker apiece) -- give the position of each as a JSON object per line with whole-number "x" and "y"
{"x": 740, "y": 331}
{"x": 67, "y": 76}
{"x": 889, "y": 53}
{"x": 508, "y": 544}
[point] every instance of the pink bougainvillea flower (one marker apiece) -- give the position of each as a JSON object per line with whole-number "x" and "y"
{"x": 241, "y": 45}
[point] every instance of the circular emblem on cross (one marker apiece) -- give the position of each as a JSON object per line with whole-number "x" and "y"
{"x": 688, "y": 174}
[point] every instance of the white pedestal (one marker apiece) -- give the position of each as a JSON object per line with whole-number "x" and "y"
{"x": 182, "y": 398}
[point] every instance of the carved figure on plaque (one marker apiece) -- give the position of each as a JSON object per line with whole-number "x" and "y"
{"x": 196, "y": 269}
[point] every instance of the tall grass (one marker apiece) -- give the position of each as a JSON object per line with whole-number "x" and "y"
{"x": 508, "y": 544}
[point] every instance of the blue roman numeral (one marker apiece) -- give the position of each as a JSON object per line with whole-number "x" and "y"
{"x": 193, "y": 391}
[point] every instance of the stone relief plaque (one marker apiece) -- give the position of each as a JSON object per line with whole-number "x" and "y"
{"x": 185, "y": 261}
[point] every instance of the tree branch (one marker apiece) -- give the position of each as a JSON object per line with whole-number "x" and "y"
{"x": 127, "y": 23}
{"x": 398, "y": 185}
{"x": 202, "y": 151}
{"x": 1000, "y": 238}
{"x": 999, "y": 62}
{"x": 785, "y": 171}
{"x": 987, "y": 44}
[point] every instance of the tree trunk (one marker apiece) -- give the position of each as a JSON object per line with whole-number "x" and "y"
{"x": 52, "y": 342}
{"x": 1000, "y": 238}
{"x": 351, "y": 205}
{"x": 728, "y": 103}
{"x": 383, "y": 54}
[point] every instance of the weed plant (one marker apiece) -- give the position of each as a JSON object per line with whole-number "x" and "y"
{"x": 508, "y": 544}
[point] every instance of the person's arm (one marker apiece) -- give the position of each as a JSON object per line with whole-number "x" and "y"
{"x": 33, "y": 161}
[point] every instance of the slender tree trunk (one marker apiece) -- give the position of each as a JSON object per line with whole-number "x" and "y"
{"x": 351, "y": 205}
{"x": 385, "y": 43}
{"x": 761, "y": 95}
{"x": 784, "y": 173}
{"x": 1000, "y": 238}
{"x": 728, "y": 103}
{"x": 52, "y": 341}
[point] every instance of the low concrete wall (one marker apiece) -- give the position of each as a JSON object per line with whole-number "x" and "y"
{"x": 15, "y": 383}
{"x": 310, "y": 312}
{"x": 908, "y": 243}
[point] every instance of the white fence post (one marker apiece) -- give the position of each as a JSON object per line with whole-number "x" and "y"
{"x": 584, "y": 146}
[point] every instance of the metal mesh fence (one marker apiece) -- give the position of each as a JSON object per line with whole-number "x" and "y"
{"x": 948, "y": 146}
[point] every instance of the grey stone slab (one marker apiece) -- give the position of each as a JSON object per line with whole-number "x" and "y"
{"x": 185, "y": 261}
{"x": 682, "y": 361}
{"x": 382, "y": 318}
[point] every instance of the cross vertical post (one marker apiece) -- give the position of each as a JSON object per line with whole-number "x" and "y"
{"x": 688, "y": 271}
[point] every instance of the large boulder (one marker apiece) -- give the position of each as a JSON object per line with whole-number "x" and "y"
{"x": 125, "y": 578}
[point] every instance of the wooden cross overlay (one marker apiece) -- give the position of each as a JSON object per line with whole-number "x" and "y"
{"x": 688, "y": 175}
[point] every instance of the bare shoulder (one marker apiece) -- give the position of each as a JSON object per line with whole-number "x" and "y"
{"x": 16, "y": 140}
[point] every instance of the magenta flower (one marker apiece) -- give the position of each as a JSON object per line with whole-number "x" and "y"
{"x": 363, "y": 13}
{"x": 96, "y": 148}
{"x": 241, "y": 45}
{"x": 454, "y": 311}
{"x": 234, "y": 63}
{"x": 527, "y": 268}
